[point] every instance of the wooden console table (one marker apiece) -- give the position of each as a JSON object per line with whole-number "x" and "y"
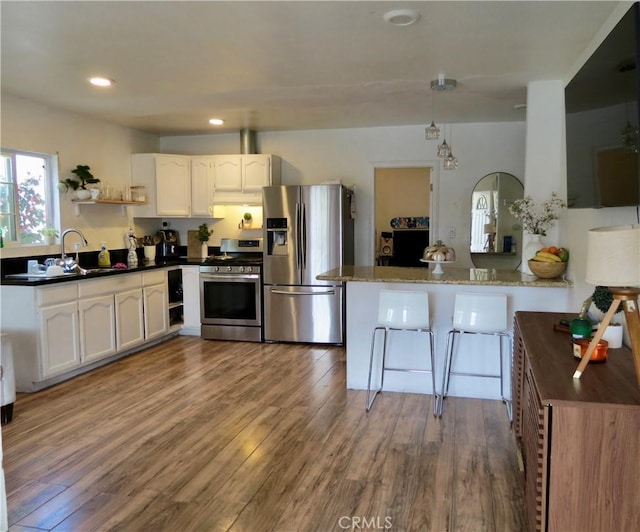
{"x": 579, "y": 439}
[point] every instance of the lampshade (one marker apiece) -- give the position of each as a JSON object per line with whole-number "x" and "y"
{"x": 489, "y": 229}
{"x": 613, "y": 256}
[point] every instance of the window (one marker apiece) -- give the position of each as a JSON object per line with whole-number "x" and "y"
{"x": 26, "y": 195}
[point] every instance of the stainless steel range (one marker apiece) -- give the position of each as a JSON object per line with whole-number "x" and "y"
{"x": 231, "y": 292}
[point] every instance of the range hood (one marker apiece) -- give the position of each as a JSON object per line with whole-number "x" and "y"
{"x": 248, "y": 145}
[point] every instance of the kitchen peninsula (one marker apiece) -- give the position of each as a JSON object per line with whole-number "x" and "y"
{"x": 363, "y": 284}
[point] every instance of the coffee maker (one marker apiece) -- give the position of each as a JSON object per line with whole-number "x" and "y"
{"x": 168, "y": 246}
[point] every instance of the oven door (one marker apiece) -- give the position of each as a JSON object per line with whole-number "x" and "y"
{"x": 230, "y": 299}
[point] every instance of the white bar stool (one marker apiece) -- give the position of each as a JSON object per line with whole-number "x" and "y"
{"x": 401, "y": 311}
{"x": 484, "y": 314}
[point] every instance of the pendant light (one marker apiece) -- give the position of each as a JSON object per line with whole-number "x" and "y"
{"x": 433, "y": 131}
{"x": 443, "y": 149}
{"x": 441, "y": 84}
{"x": 450, "y": 161}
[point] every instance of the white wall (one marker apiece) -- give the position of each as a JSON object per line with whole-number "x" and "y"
{"x": 314, "y": 156}
{"x": 351, "y": 155}
{"x": 76, "y": 139}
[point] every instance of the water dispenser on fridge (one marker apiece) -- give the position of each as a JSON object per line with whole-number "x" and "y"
{"x": 277, "y": 236}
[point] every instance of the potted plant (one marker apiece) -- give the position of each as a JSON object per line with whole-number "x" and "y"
{"x": 203, "y": 235}
{"x": 79, "y": 183}
{"x": 247, "y": 219}
{"x": 50, "y": 234}
{"x": 601, "y": 299}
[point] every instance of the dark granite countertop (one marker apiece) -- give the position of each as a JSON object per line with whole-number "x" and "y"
{"x": 143, "y": 266}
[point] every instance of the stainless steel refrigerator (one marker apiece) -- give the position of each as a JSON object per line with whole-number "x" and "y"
{"x": 308, "y": 230}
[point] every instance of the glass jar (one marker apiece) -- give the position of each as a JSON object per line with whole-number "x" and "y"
{"x": 599, "y": 353}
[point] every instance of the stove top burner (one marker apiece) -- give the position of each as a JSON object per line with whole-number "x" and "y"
{"x": 245, "y": 258}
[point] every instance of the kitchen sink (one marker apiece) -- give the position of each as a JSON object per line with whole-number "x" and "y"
{"x": 42, "y": 275}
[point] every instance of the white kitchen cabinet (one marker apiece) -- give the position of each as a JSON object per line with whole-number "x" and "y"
{"x": 61, "y": 329}
{"x": 202, "y": 186}
{"x": 256, "y": 172}
{"x": 129, "y": 319}
{"x": 57, "y": 325}
{"x": 59, "y": 332}
{"x": 156, "y": 304}
{"x": 155, "y": 311}
{"x": 228, "y": 173}
{"x": 191, "y": 300}
{"x": 97, "y": 327}
{"x": 239, "y": 178}
{"x": 167, "y": 179}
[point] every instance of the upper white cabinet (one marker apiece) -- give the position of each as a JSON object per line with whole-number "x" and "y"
{"x": 168, "y": 181}
{"x": 183, "y": 186}
{"x": 202, "y": 185}
{"x": 228, "y": 173}
{"x": 240, "y": 178}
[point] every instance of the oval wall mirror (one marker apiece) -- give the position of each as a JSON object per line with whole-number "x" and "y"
{"x": 496, "y": 235}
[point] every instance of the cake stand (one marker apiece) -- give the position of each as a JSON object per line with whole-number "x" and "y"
{"x": 438, "y": 269}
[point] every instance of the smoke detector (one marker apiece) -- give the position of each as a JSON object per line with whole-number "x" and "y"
{"x": 401, "y": 17}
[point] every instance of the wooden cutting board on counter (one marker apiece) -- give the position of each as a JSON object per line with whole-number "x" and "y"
{"x": 194, "y": 246}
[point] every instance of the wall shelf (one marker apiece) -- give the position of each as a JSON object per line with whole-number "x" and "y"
{"x": 123, "y": 204}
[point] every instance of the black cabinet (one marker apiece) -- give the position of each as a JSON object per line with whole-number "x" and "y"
{"x": 174, "y": 281}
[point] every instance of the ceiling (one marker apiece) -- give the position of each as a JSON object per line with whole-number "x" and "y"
{"x": 276, "y": 66}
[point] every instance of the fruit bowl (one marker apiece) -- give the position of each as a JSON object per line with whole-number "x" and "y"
{"x": 547, "y": 270}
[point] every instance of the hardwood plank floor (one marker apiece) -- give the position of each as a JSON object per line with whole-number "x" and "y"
{"x": 194, "y": 435}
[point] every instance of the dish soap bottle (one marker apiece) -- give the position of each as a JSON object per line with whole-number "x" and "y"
{"x": 104, "y": 258}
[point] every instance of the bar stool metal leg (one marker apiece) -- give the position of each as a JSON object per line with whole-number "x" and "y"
{"x": 369, "y": 400}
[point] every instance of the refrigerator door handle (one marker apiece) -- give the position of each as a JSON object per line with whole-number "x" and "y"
{"x": 329, "y": 292}
{"x": 298, "y": 241}
{"x": 303, "y": 236}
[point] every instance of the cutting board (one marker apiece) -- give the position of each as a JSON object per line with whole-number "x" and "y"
{"x": 194, "y": 246}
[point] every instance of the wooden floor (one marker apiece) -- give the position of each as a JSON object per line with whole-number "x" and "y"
{"x": 204, "y": 436}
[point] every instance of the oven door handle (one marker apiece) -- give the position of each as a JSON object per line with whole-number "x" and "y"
{"x": 206, "y": 276}
{"x": 329, "y": 292}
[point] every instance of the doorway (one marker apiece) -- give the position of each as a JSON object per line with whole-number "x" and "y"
{"x": 403, "y": 203}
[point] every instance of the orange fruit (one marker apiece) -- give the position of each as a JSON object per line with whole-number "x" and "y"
{"x": 546, "y": 250}
{"x": 553, "y": 249}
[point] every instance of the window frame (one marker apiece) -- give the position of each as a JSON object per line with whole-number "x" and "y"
{"x": 50, "y": 170}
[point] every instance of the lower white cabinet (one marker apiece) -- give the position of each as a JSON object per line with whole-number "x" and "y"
{"x": 97, "y": 327}
{"x": 129, "y": 319}
{"x": 59, "y": 344}
{"x": 191, "y": 300}
{"x": 156, "y": 304}
{"x": 58, "y": 329}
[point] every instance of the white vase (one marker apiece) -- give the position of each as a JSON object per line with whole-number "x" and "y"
{"x": 613, "y": 335}
{"x": 532, "y": 244}
{"x": 83, "y": 194}
{"x": 204, "y": 251}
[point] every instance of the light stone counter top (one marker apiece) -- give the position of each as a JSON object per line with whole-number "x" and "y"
{"x": 451, "y": 275}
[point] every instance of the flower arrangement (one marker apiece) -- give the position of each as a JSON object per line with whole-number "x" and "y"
{"x": 536, "y": 220}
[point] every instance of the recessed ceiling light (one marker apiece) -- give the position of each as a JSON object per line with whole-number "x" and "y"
{"x": 216, "y": 121}
{"x": 401, "y": 17}
{"x": 101, "y": 82}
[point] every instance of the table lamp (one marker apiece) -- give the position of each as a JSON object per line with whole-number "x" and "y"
{"x": 613, "y": 260}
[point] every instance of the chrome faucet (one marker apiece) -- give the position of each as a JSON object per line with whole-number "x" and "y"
{"x": 68, "y": 264}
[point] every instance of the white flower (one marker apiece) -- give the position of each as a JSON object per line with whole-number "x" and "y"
{"x": 536, "y": 220}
